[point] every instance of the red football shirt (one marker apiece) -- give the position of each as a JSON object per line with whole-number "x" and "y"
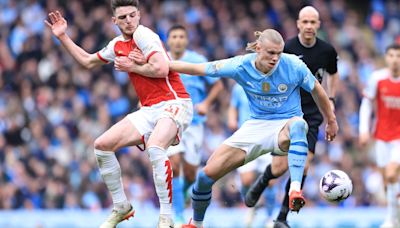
{"x": 386, "y": 91}
{"x": 149, "y": 90}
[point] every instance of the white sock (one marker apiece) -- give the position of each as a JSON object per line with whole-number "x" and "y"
{"x": 111, "y": 174}
{"x": 295, "y": 186}
{"x": 391, "y": 195}
{"x": 198, "y": 224}
{"x": 162, "y": 175}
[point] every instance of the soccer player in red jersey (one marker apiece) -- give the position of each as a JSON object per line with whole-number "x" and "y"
{"x": 383, "y": 91}
{"x": 166, "y": 106}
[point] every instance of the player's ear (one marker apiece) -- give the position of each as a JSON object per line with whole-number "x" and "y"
{"x": 298, "y": 24}
{"x": 318, "y": 24}
{"x": 114, "y": 19}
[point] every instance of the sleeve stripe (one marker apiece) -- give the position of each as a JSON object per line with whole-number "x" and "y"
{"x": 101, "y": 58}
{"x": 151, "y": 54}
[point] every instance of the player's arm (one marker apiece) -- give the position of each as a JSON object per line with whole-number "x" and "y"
{"x": 366, "y": 109}
{"x": 365, "y": 117}
{"x": 58, "y": 26}
{"x": 188, "y": 68}
{"x": 324, "y": 105}
{"x": 332, "y": 82}
{"x": 155, "y": 67}
{"x": 232, "y": 118}
{"x": 203, "y": 107}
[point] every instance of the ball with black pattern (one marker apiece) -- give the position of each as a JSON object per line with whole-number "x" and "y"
{"x": 335, "y": 186}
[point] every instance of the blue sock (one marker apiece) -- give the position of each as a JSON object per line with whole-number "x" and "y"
{"x": 201, "y": 195}
{"x": 269, "y": 197}
{"x": 298, "y": 149}
{"x": 178, "y": 202}
{"x": 186, "y": 184}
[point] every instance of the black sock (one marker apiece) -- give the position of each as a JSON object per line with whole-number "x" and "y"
{"x": 285, "y": 204}
{"x": 267, "y": 175}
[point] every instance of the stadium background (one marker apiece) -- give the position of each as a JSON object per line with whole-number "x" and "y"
{"x": 51, "y": 109}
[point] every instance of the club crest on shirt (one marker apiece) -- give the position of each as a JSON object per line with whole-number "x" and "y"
{"x": 266, "y": 87}
{"x": 282, "y": 88}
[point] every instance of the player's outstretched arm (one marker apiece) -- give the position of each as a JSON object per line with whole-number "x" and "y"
{"x": 324, "y": 105}
{"x": 198, "y": 69}
{"x": 58, "y": 26}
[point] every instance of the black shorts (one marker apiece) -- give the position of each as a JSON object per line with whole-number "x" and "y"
{"x": 313, "y": 122}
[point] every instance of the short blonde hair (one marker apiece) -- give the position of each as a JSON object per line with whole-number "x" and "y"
{"x": 268, "y": 34}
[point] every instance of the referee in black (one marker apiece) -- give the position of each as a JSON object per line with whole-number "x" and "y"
{"x": 321, "y": 59}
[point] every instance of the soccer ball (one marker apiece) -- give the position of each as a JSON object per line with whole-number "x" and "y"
{"x": 335, "y": 186}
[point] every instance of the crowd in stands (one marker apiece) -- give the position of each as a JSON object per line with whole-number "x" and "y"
{"x": 52, "y": 109}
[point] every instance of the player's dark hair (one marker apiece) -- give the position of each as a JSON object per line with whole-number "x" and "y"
{"x": 176, "y": 27}
{"x": 118, "y": 3}
{"x": 394, "y": 46}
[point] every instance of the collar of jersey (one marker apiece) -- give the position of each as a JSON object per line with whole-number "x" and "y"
{"x": 253, "y": 63}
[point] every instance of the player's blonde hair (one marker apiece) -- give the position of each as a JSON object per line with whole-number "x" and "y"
{"x": 268, "y": 34}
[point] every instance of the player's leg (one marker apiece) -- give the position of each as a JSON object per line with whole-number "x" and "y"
{"x": 194, "y": 136}
{"x": 243, "y": 146}
{"x": 121, "y": 134}
{"x": 247, "y": 174}
{"x": 391, "y": 175}
{"x": 294, "y": 138}
{"x": 275, "y": 169}
{"x": 170, "y": 120}
{"x": 312, "y": 138}
{"x": 178, "y": 202}
{"x": 222, "y": 161}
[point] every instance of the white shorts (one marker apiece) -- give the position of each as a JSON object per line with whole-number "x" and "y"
{"x": 387, "y": 152}
{"x": 257, "y": 137}
{"x": 192, "y": 139}
{"x": 258, "y": 165}
{"x": 145, "y": 119}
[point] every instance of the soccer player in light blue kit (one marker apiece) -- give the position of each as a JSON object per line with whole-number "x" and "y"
{"x": 187, "y": 153}
{"x": 272, "y": 82}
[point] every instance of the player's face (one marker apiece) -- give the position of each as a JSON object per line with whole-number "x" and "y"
{"x": 268, "y": 54}
{"x": 177, "y": 40}
{"x": 127, "y": 19}
{"x": 308, "y": 25}
{"x": 392, "y": 58}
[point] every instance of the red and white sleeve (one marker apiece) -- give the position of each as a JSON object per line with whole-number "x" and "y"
{"x": 148, "y": 42}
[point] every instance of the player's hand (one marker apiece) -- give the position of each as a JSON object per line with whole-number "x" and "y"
{"x": 123, "y": 63}
{"x": 57, "y": 24}
{"x": 202, "y": 108}
{"x": 364, "y": 139}
{"x": 331, "y": 130}
{"x": 137, "y": 56}
{"x": 232, "y": 125}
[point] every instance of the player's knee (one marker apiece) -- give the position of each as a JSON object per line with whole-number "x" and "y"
{"x": 101, "y": 144}
{"x": 298, "y": 127}
{"x": 391, "y": 173}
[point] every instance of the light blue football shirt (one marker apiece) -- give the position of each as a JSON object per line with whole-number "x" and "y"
{"x": 272, "y": 96}
{"x": 241, "y": 103}
{"x": 195, "y": 86}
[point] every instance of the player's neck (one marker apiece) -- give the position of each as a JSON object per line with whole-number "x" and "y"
{"x": 177, "y": 55}
{"x": 307, "y": 42}
{"x": 395, "y": 74}
{"x": 264, "y": 70}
